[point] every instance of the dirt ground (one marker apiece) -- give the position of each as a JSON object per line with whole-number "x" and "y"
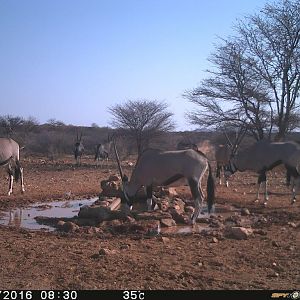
{"x": 268, "y": 260}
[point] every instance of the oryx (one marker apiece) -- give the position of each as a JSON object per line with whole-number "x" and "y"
{"x": 222, "y": 155}
{"x": 78, "y": 149}
{"x": 103, "y": 151}
{"x": 10, "y": 157}
{"x": 156, "y": 167}
{"x": 223, "y": 152}
{"x": 264, "y": 156}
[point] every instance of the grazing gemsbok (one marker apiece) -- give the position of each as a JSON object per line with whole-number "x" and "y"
{"x": 264, "y": 156}
{"x": 10, "y": 157}
{"x": 103, "y": 152}
{"x": 155, "y": 167}
{"x": 78, "y": 149}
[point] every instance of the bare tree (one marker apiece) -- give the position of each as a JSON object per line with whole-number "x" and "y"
{"x": 233, "y": 94}
{"x": 141, "y": 120}
{"x": 255, "y": 79}
{"x": 9, "y": 124}
{"x": 272, "y": 40}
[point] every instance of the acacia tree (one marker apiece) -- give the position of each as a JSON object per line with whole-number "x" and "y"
{"x": 141, "y": 120}
{"x": 256, "y": 74}
{"x": 233, "y": 95}
{"x": 10, "y": 124}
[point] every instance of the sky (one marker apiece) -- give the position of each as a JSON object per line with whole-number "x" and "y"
{"x": 71, "y": 60}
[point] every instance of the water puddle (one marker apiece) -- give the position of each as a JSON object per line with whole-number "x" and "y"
{"x": 25, "y": 217}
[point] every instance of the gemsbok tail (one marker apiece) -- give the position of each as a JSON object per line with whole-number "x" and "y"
{"x": 210, "y": 189}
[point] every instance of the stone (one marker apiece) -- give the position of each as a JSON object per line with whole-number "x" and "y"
{"x": 239, "y": 233}
{"x": 99, "y": 213}
{"x": 69, "y": 227}
{"x": 110, "y": 188}
{"x": 150, "y": 215}
{"x": 167, "y": 222}
{"x": 214, "y": 240}
{"x": 60, "y": 223}
{"x": 165, "y": 240}
{"x": 189, "y": 209}
{"x": 114, "y": 178}
{"x": 292, "y": 224}
{"x": 245, "y": 212}
{"x": 105, "y": 251}
{"x": 146, "y": 227}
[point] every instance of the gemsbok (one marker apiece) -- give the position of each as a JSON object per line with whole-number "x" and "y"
{"x": 78, "y": 149}
{"x": 161, "y": 168}
{"x": 264, "y": 156}
{"x": 103, "y": 152}
{"x": 222, "y": 155}
{"x": 10, "y": 157}
{"x": 223, "y": 152}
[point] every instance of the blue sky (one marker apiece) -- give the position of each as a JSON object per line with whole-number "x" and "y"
{"x": 72, "y": 59}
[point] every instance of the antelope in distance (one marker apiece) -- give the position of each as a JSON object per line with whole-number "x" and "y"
{"x": 222, "y": 154}
{"x": 78, "y": 149}
{"x": 10, "y": 157}
{"x": 103, "y": 152}
{"x": 155, "y": 167}
{"x": 264, "y": 156}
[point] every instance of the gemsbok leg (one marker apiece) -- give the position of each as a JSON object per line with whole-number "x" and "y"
{"x": 262, "y": 178}
{"x": 198, "y": 197}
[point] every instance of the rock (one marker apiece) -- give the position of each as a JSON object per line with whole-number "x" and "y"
{"x": 163, "y": 205}
{"x": 150, "y": 215}
{"x": 245, "y": 212}
{"x": 147, "y": 227}
{"x": 86, "y": 222}
{"x": 69, "y": 227}
{"x": 239, "y": 233}
{"x": 292, "y": 224}
{"x": 114, "y": 178}
{"x": 260, "y": 231}
{"x": 178, "y": 204}
{"x": 203, "y": 220}
{"x": 125, "y": 247}
{"x": 114, "y": 203}
{"x": 172, "y": 192}
{"x": 60, "y": 223}
{"x": 105, "y": 251}
{"x": 110, "y": 188}
{"x": 234, "y": 219}
{"x": 189, "y": 209}
{"x": 97, "y": 212}
{"x": 180, "y": 218}
{"x": 275, "y": 244}
{"x": 214, "y": 240}
{"x": 167, "y": 222}
{"x": 165, "y": 240}
{"x": 215, "y": 223}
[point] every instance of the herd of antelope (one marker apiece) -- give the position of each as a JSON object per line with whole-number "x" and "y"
{"x": 156, "y": 167}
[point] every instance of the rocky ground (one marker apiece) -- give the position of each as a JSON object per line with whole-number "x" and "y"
{"x": 243, "y": 246}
